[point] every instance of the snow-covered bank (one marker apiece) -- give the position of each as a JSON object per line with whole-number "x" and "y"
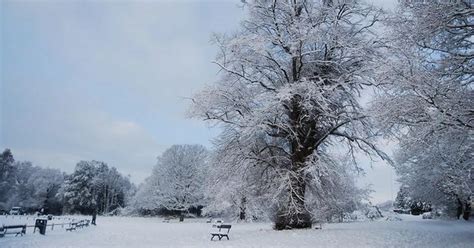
{"x": 152, "y": 232}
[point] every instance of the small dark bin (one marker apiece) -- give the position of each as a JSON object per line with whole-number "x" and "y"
{"x": 41, "y": 225}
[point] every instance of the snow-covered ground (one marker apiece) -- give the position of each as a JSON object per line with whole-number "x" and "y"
{"x": 152, "y": 232}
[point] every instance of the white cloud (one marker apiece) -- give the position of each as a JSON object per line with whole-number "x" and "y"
{"x": 96, "y": 136}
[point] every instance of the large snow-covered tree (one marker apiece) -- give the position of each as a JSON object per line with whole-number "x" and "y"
{"x": 427, "y": 99}
{"x": 288, "y": 90}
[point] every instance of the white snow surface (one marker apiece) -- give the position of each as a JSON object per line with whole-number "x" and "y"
{"x": 153, "y": 232}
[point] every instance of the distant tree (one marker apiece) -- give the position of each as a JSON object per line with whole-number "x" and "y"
{"x": 403, "y": 199}
{"x": 405, "y": 202}
{"x": 6, "y": 180}
{"x": 28, "y": 186}
{"x": 112, "y": 188}
{"x": 147, "y": 198}
{"x": 94, "y": 187}
{"x": 177, "y": 182}
{"x": 45, "y": 184}
{"x": 181, "y": 171}
{"x": 6, "y": 161}
{"x": 79, "y": 191}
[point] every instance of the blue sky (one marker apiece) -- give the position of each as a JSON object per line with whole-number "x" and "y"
{"x": 106, "y": 80}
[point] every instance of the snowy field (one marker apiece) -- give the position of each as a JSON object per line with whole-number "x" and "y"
{"x": 152, "y": 232}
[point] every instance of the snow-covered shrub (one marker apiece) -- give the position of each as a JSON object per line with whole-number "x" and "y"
{"x": 428, "y": 215}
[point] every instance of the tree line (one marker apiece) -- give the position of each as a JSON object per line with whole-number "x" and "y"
{"x": 92, "y": 187}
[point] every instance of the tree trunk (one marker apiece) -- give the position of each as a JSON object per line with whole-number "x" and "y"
{"x": 295, "y": 214}
{"x": 459, "y": 209}
{"x": 467, "y": 210}
{"x": 243, "y": 206}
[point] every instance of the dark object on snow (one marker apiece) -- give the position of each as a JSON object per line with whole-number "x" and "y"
{"x": 402, "y": 211}
{"x": 221, "y": 233}
{"x": 467, "y": 211}
{"x": 94, "y": 217}
{"x": 14, "y": 229}
{"x": 41, "y": 225}
{"x": 242, "y": 215}
{"x": 459, "y": 212}
{"x": 181, "y": 218}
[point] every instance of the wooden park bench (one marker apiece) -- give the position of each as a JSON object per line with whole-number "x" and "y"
{"x": 13, "y": 229}
{"x": 167, "y": 219}
{"x": 81, "y": 224}
{"x": 78, "y": 224}
{"x": 72, "y": 226}
{"x": 220, "y": 232}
